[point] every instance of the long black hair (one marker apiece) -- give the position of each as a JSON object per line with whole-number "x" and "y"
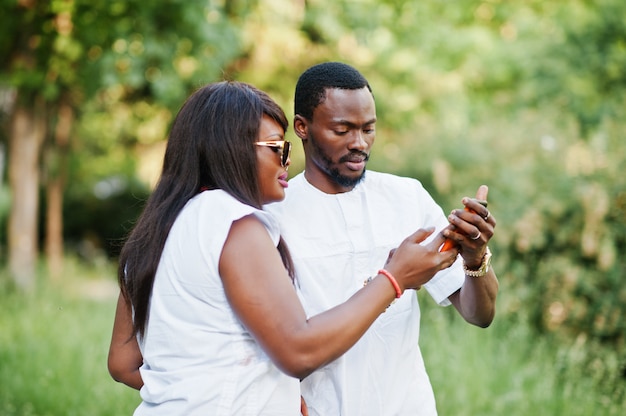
{"x": 211, "y": 145}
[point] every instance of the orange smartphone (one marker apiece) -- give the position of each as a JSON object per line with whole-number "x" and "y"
{"x": 448, "y": 244}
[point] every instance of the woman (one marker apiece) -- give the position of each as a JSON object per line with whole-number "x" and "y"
{"x": 209, "y": 281}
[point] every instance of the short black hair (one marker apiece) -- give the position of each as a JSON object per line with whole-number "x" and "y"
{"x": 313, "y": 83}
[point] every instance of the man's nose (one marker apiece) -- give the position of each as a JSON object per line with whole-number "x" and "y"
{"x": 358, "y": 141}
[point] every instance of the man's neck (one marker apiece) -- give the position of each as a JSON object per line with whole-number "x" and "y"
{"x": 325, "y": 183}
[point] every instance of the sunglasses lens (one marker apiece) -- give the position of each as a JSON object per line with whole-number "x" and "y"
{"x": 286, "y": 152}
{"x": 282, "y": 147}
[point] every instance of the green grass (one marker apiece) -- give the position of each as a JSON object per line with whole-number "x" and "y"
{"x": 54, "y": 343}
{"x": 53, "y": 349}
{"x": 507, "y": 370}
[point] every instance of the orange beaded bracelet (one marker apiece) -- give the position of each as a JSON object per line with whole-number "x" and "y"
{"x": 393, "y": 282}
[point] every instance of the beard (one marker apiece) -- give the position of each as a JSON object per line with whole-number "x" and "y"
{"x": 332, "y": 171}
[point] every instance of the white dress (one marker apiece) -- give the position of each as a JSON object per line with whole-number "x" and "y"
{"x": 198, "y": 357}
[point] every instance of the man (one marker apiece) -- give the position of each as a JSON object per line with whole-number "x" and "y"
{"x": 340, "y": 223}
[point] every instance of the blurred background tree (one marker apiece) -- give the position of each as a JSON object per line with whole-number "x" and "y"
{"x": 87, "y": 83}
{"x": 525, "y": 96}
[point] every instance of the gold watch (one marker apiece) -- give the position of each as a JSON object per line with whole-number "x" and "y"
{"x": 484, "y": 266}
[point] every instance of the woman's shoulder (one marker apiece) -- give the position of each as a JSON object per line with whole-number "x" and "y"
{"x": 217, "y": 201}
{"x": 225, "y": 208}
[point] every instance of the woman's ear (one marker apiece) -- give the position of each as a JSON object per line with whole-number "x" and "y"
{"x": 300, "y": 127}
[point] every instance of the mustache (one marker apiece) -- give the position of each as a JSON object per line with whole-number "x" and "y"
{"x": 355, "y": 156}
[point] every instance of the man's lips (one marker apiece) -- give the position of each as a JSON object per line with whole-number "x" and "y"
{"x": 356, "y": 166}
{"x": 355, "y": 161}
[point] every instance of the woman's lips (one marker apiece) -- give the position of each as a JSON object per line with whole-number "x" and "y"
{"x": 282, "y": 179}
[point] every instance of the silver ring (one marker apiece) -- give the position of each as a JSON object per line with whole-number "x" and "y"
{"x": 477, "y": 237}
{"x": 488, "y": 215}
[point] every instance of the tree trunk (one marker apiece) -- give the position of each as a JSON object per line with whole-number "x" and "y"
{"x": 25, "y": 141}
{"x": 54, "y": 227}
{"x": 2, "y": 161}
{"x": 3, "y": 198}
{"x": 57, "y": 172}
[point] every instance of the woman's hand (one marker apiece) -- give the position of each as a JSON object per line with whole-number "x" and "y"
{"x": 413, "y": 263}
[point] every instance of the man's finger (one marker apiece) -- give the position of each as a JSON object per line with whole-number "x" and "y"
{"x": 482, "y": 192}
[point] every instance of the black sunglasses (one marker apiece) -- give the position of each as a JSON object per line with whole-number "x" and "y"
{"x": 283, "y": 147}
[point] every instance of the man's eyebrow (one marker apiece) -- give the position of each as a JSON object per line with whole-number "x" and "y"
{"x": 351, "y": 124}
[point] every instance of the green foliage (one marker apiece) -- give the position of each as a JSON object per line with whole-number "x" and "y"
{"x": 124, "y": 67}
{"x": 53, "y": 349}
{"x": 116, "y": 201}
{"x": 158, "y": 50}
{"x": 506, "y": 370}
{"x": 525, "y": 96}
{"x": 559, "y": 202}
{"x": 5, "y": 201}
{"x": 54, "y": 343}
{"x": 582, "y": 69}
